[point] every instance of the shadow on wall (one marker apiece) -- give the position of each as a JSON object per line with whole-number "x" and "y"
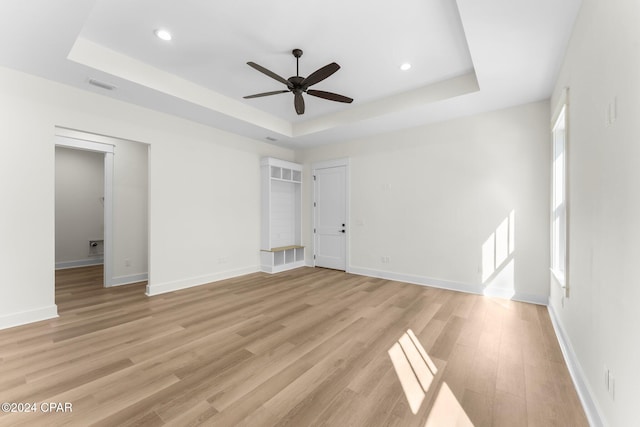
{"x": 498, "y": 260}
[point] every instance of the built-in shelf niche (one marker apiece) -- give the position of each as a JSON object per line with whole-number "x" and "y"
{"x": 281, "y": 247}
{"x": 285, "y": 174}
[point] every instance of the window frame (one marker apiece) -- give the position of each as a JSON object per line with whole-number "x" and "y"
{"x": 559, "y": 211}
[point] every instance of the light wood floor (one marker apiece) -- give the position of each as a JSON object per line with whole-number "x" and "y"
{"x": 307, "y": 347}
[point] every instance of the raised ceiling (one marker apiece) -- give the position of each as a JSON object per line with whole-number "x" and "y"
{"x": 467, "y": 57}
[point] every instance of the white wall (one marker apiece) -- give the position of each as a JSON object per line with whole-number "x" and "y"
{"x": 204, "y": 191}
{"x": 601, "y": 316}
{"x": 429, "y": 198}
{"x": 130, "y": 213}
{"x": 79, "y": 189}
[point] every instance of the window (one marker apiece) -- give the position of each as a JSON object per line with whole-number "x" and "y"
{"x": 559, "y": 194}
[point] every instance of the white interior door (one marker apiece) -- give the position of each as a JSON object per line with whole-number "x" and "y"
{"x": 330, "y": 217}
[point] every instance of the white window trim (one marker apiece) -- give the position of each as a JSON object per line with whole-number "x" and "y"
{"x": 561, "y": 278}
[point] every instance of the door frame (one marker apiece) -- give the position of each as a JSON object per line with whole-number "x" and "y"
{"x": 325, "y": 164}
{"x": 108, "y": 151}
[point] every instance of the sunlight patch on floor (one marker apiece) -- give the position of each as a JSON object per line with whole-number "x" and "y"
{"x": 416, "y": 372}
{"x": 447, "y": 411}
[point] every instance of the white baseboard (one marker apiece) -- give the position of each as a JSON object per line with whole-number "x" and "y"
{"x": 161, "y": 288}
{"x": 416, "y": 280}
{"x": 590, "y": 405}
{"x": 280, "y": 268}
{"x": 446, "y": 284}
{"x": 515, "y": 296}
{"x": 79, "y": 263}
{"x": 126, "y": 280}
{"x": 530, "y": 298}
{"x": 29, "y": 316}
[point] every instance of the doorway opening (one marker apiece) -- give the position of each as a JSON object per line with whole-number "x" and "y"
{"x": 115, "y": 248}
{"x": 83, "y": 179}
{"x": 79, "y": 214}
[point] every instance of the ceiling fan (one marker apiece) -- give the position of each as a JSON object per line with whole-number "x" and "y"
{"x": 299, "y": 85}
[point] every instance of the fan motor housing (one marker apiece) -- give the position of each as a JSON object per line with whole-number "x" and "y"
{"x": 296, "y": 81}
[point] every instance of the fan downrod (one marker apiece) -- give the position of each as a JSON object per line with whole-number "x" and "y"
{"x": 297, "y": 53}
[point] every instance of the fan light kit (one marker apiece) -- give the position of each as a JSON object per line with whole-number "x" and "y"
{"x": 405, "y": 66}
{"x": 163, "y": 34}
{"x": 299, "y": 85}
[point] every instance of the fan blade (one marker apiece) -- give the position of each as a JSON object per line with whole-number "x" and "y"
{"x": 270, "y": 73}
{"x": 330, "y": 96}
{"x": 298, "y": 102}
{"x": 258, "y": 95}
{"x": 319, "y": 75}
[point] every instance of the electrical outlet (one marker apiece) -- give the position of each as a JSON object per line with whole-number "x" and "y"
{"x": 384, "y": 259}
{"x": 127, "y": 262}
{"x": 223, "y": 260}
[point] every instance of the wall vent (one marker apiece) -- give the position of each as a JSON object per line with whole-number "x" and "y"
{"x": 102, "y": 85}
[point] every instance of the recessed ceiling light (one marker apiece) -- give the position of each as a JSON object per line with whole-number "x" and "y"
{"x": 405, "y": 66}
{"x": 163, "y": 34}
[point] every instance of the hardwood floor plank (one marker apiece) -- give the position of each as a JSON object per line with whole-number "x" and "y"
{"x": 379, "y": 404}
{"x": 304, "y": 347}
{"x": 479, "y": 408}
{"x": 510, "y": 373}
{"x": 199, "y": 414}
{"x": 509, "y": 411}
{"x": 459, "y": 366}
{"x": 86, "y": 373}
{"x": 268, "y": 383}
{"x": 445, "y": 342}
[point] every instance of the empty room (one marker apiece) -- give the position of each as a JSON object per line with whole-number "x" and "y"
{"x": 299, "y": 213}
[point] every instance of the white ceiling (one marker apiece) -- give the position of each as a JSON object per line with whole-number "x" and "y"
{"x": 467, "y": 57}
